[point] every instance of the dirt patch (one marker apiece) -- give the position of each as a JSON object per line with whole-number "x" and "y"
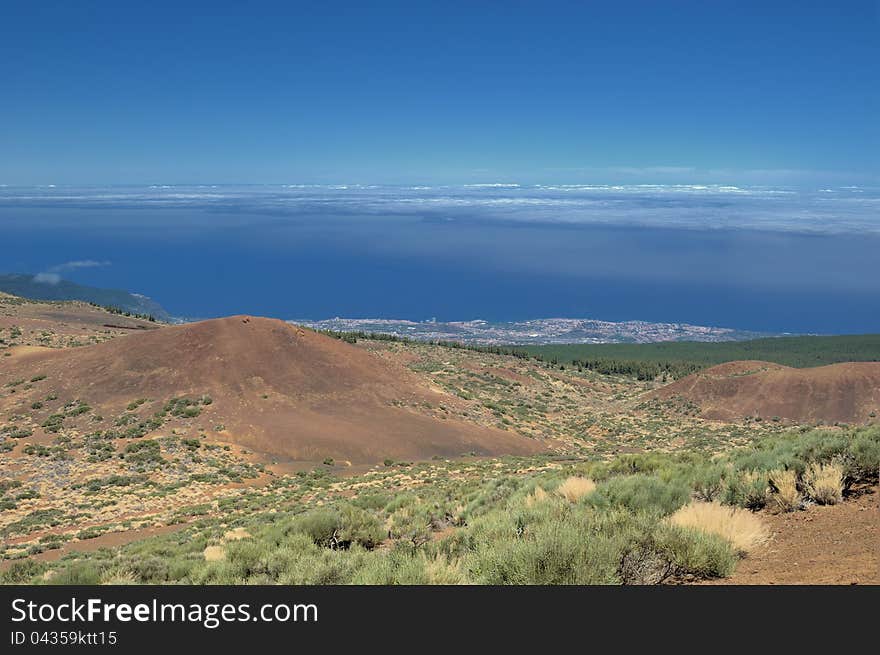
{"x": 276, "y": 389}
{"x": 838, "y": 544}
{"x": 107, "y": 540}
{"x": 507, "y": 374}
{"x": 24, "y": 351}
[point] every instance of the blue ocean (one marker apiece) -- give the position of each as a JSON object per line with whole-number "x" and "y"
{"x": 757, "y": 258}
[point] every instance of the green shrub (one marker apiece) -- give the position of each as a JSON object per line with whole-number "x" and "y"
{"x": 79, "y": 573}
{"x": 153, "y": 569}
{"x": 749, "y": 489}
{"x": 185, "y": 407}
{"x": 413, "y": 526}
{"x": 371, "y": 501}
{"x": 22, "y": 571}
{"x": 147, "y": 451}
{"x": 53, "y": 423}
{"x": 295, "y": 560}
{"x": 708, "y": 482}
{"x": 553, "y": 542}
{"x": 341, "y": 527}
{"x": 630, "y": 464}
{"x": 862, "y": 460}
{"x": 360, "y": 527}
{"x": 405, "y": 566}
{"x": 90, "y": 533}
{"x": 77, "y": 408}
{"x": 39, "y": 518}
{"x": 557, "y": 552}
{"x": 400, "y": 501}
{"x": 697, "y": 553}
{"x": 320, "y": 525}
{"x": 641, "y": 493}
{"x": 491, "y": 495}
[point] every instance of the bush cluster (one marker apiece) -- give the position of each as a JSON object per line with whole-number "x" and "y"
{"x": 638, "y": 519}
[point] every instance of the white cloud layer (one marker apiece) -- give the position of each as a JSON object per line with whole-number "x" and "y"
{"x": 80, "y": 263}
{"x": 53, "y": 274}
{"x": 822, "y": 208}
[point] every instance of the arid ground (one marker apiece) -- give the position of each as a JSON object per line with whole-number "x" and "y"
{"x": 115, "y": 429}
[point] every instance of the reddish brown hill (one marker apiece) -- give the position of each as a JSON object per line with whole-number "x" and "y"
{"x": 841, "y": 392}
{"x": 276, "y": 388}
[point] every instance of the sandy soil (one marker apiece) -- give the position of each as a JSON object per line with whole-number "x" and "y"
{"x": 838, "y": 545}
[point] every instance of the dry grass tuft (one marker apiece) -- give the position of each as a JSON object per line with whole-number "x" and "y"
{"x": 236, "y": 534}
{"x": 786, "y": 497}
{"x": 824, "y": 483}
{"x": 441, "y": 569}
{"x": 119, "y": 576}
{"x": 575, "y": 488}
{"x": 215, "y": 554}
{"x": 742, "y": 528}
{"x": 537, "y": 496}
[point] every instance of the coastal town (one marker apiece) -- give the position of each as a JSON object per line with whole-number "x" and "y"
{"x": 535, "y": 331}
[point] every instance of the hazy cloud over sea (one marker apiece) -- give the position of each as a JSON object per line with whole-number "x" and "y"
{"x": 53, "y": 274}
{"x": 764, "y": 258}
{"x": 832, "y": 209}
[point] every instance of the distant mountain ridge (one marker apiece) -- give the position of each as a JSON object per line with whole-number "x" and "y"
{"x": 26, "y": 285}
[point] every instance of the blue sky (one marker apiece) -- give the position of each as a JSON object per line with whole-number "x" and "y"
{"x": 447, "y": 92}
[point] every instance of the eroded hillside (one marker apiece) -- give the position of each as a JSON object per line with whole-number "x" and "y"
{"x": 156, "y": 429}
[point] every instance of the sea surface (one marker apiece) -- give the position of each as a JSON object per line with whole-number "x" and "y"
{"x": 767, "y": 259}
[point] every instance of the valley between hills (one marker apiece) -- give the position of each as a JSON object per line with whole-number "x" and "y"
{"x": 247, "y": 449}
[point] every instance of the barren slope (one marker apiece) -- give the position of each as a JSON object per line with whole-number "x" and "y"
{"x": 824, "y": 545}
{"x": 275, "y": 389}
{"x": 37, "y": 323}
{"x": 847, "y": 392}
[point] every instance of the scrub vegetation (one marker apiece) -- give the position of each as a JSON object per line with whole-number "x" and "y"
{"x": 615, "y": 482}
{"x": 633, "y": 519}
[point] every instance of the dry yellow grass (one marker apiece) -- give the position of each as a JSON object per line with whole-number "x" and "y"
{"x": 742, "y": 528}
{"x": 215, "y": 554}
{"x": 575, "y": 487}
{"x": 824, "y": 483}
{"x": 443, "y": 570}
{"x": 537, "y": 496}
{"x": 118, "y": 576}
{"x": 786, "y": 497}
{"x": 236, "y": 534}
